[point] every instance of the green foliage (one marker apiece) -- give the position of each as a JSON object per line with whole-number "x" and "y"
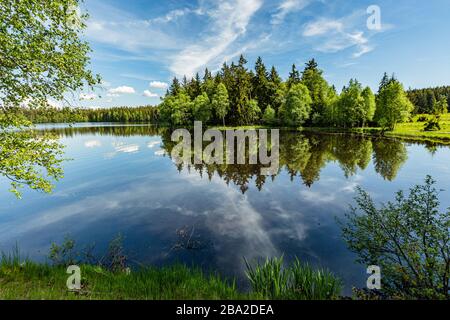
{"x": 297, "y": 108}
{"x": 393, "y": 105}
{"x": 294, "y": 77}
{"x": 202, "y": 108}
{"x": 177, "y": 110}
{"x": 269, "y": 116}
{"x": 68, "y": 254}
{"x": 355, "y": 107}
{"x": 369, "y": 105}
{"x": 300, "y": 281}
{"x": 220, "y": 102}
{"x": 146, "y": 114}
{"x": 408, "y": 238}
{"x": 253, "y": 112}
{"x": 55, "y": 61}
{"x": 261, "y": 85}
{"x": 319, "y": 90}
{"x": 432, "y": 124}
{"x": 441, "y": 106}
{"x": 425, "y": 100}
{"x": 64, "y": 254}
{"x": 28, "y": 158}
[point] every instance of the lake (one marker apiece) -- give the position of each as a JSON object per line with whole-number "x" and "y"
{"x": 120, "y": 179}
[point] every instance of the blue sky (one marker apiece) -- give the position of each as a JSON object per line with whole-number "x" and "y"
{"x": 138, "y": 46}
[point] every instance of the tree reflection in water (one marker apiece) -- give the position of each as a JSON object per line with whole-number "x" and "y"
{"x": 302, "y": 155}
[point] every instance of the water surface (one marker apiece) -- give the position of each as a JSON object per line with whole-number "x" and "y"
{"x": 122, "y": 180}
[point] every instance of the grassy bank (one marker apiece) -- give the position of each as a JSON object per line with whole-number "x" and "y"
{"x": 37, "y": 281}
{"x": 270, "y": 280}
{"x": 412, "y": 130}
{"x": 415, "y": 130}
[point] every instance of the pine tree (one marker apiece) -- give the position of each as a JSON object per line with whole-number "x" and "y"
{"x": 294, "y": 77}
{"x": 240, "y": 92}
{"x": 274, "y": 76}
{"x": 261, "y": 84}
{"x": 175, "y": 87}
{"x": 318, "y": 88}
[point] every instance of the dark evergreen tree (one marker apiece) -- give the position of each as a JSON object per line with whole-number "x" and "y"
{"x": 294, "y": 77}
{"x": 260, "y": 81}
{"x": 175, "y": 87}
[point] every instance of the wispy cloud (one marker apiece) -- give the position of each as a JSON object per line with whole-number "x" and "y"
{"x": 286, "y": 7}
{"x": 229, "y": 21}
{"x": 335, "y": 35}
{"x": 123, "y": 30}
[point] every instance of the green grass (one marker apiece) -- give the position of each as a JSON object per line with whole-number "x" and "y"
{"x": 415, "y": 130}
{"x": 299, "y": 281}
{"x": 26, "y": 280}
{"x": 31, "y": 281}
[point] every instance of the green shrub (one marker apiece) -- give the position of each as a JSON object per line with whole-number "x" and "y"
{"x": 407, "y": 238}
{"x": 432, "y": 124}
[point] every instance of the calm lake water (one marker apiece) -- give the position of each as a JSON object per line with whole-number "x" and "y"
{"x": 120, "y": 179}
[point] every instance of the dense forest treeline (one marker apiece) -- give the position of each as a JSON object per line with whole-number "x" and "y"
{"x": 238, "y": 96}
{"x": 147, "y": 114}
{"x": 427, "y": 100}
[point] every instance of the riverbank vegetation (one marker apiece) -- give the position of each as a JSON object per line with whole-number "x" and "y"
{"x": 408, "y": 238}
{"x": 24, "y": 279}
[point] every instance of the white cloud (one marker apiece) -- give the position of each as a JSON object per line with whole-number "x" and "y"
{"x": 286, "y": 7}
{"x": 159, "y": 85}
{"x": 229, "y": 21}
{"x": 112, "y": 26}
{"x": 149, "y": 94}
{"x": 88, "y": 96}
{"x": 176, "y": 14}
{"x": 122, "y": 90}
{"x": 335, "y": 36}
{"x": 322, "y": 27}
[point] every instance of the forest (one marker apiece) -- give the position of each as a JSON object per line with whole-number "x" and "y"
{"x": 238, "y": 96}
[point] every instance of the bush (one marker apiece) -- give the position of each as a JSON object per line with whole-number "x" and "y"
{"x": 432, "y": 124}
{"x": 408, "y": 239}
{"x": 422, "y": 119}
